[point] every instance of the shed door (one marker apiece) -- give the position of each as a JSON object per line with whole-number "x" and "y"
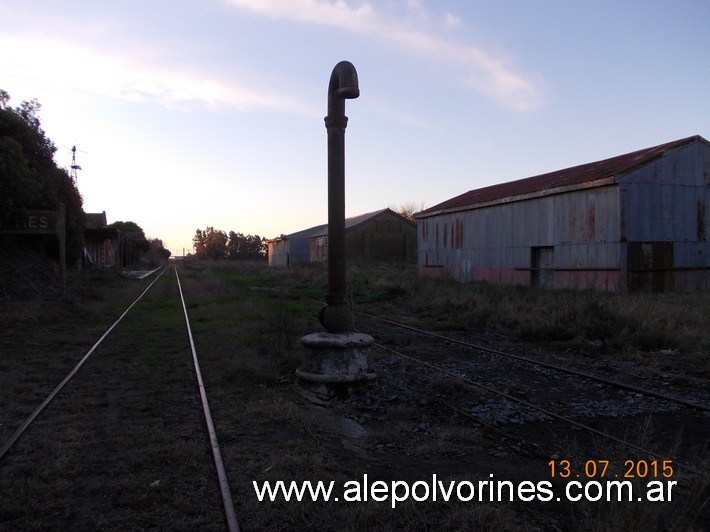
{"x": 650, "y": 266}
{"x": 542, "y": 266}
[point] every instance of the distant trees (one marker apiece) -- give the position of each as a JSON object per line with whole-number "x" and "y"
{"x": 132, "y": 241}
{"x": 214, "y": 244}
{"x": 409, "y": 209}
{"x": 210, "y": 244}
{"x": 29, "y": 177}
{"x": 157, "y": 252}
{"x": 245, "y": 247}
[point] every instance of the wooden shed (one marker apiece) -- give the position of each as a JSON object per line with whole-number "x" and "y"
{"x": 633, "y": 222}
{"x": 100, "y": 242}
{"x": 381, "y": 235}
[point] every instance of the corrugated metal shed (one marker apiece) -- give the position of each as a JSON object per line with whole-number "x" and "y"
{"x": 352, "y": 222}
{"x": 585, "y": 174}
{"x": 382, "y": 235}
{"x": 293, "y": 248}
{"x": 377, "y": 235}
{"x": 636, "y": 221}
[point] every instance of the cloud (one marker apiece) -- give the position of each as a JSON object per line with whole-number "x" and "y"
{"x": 337, "y": 13}
{"x": 39, "y": 61}
{"x": 482, "y": 71}
{"x": 452, "y": 20}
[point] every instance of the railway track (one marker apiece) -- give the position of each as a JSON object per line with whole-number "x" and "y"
{"x": 556, "y": 367}
{"x": 138, "y": 392}
{"x": 133, "y": 391}
{"x": 459, "y": 366}
{"x": 516, "y": 384}
{"x": 592, "y": 395}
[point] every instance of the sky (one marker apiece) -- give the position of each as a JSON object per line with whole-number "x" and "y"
{"x": 188, "y": 114}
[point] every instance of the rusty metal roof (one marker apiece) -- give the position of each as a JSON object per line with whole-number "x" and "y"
{"x": 585, "y": 174}
{"x": 350, "y": 223}
{"x": 96, "y": 220}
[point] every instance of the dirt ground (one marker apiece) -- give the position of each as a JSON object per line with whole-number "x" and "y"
{"x": 123, "y": 447}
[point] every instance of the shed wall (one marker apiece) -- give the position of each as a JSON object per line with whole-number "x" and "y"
{"x": 498, "y": 243}
{"x": 384, "y": 238}
{"x": 666, "y": 205}
{"x": 287, "y": 251}
{"x": 278, "y": 252}
{"x": 647, "y": 229}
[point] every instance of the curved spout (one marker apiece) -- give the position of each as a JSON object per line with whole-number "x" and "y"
{"x": 343, "y": 81}
{"x": 343, "y": 85}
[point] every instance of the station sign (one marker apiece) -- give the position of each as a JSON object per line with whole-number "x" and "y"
{"x": 32, "y": 222}
{"x": 41, "y": 222}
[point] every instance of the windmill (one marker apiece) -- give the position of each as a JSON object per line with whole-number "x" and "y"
{"x": 74, "y": 167}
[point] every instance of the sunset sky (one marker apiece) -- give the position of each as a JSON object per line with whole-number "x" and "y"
{"x": 196, "y": 113}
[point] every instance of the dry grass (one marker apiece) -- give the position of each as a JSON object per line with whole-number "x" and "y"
{"x": 636, "y": 325}
{"x": 662, "y": 327}
{"x": 690, "y": 495}
{"x": 630, "y": 324}
{"x": 249, "y": 362}
{"x": 247, "y": 336}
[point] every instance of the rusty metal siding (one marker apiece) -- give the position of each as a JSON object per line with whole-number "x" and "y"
{"x": 691, "y": 266}
{"x": 278, "y": 253}
{"x": 650, "y": 266}
{"x": 599, "y": 234}
{"x": 497, "y": 240}
{"x": 665, "y": 205}
{"x": 661, "y": 199}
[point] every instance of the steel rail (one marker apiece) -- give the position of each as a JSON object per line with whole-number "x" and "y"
{"x": 227, "y": 501}
{"x": 543, "y": 410}
{"x": 9, "y": 443}
{"x": 603, "y": 380}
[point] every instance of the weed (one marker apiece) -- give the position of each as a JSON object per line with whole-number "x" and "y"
{"x": 247, "y": 324}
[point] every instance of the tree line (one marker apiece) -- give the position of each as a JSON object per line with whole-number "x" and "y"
{"x": 30, "y": 179}
{"x": 215, "y": 244}
{"x": 135, "y": 246}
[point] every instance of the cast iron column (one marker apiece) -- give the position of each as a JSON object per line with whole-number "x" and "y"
{"x": 336, "y": 316}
